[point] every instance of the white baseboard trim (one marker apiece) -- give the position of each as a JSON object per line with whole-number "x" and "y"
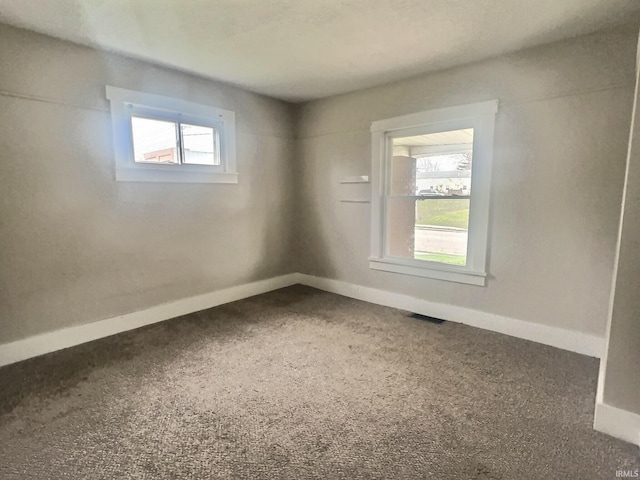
{"x": 71, "y": 336}
{"x": 618, "y": 423}
{"x": 68, "y": 337}
{"x": 571, "y": 340}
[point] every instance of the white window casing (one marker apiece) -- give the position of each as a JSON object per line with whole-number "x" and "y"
{"x": 479, "y": 116}
{"x": 127, "y": 103}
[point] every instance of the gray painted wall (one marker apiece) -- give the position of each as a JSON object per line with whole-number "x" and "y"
{"x": 76, "y": 246}
{"x": 560, "y": 149}
{"x": 622, "y": 373}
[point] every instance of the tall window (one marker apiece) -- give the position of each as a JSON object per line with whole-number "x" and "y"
{"x": 430, "y": 203}
{"x": 162, "y": 139}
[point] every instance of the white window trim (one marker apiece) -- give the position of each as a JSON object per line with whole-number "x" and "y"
{"x": 125, "y": 102}
{"x": 479, "y": 116}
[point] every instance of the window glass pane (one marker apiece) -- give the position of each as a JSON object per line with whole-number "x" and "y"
{"x": 441, "y": 230}
{"x": 429, "y": 228}
{"x": 429, "y": 191}
{"x": 200, "y": 145}
{"x": 154, "y": 141}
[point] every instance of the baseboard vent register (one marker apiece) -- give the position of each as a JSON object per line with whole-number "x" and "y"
{"x": 426, "y": 318}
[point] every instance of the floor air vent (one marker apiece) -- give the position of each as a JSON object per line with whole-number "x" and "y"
{"x": 426, "y": 319}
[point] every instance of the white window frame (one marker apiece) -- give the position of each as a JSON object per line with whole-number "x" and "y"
{"x": 127, "y": 103}
{"x": 479, "y": 116}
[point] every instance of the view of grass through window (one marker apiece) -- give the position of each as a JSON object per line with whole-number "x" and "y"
{"x": 445, "y": 223}
{"x": 443, "y": 213}
{"x": 432, "y": 174}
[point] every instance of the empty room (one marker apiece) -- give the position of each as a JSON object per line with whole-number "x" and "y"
{"x": 333, "y": 239}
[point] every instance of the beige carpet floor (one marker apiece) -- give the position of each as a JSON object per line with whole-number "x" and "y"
{"x": 299, "y": 384}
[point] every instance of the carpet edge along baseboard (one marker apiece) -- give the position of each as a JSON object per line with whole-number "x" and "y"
{"x": 48, "y": 342}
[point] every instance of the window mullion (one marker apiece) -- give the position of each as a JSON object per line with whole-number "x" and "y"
{"x": 180, "y": 146}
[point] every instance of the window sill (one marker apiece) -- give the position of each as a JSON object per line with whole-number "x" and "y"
{"x": 429, "y": 270}
{"x": 173, "y": 176}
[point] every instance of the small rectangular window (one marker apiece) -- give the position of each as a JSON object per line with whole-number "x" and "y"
{"x": 157, "y": 141}
{"x": 162, "y": 139}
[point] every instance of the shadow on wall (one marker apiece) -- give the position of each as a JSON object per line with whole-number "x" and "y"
{"x": 268, "y": 183}
{"x": 310, "y": 225}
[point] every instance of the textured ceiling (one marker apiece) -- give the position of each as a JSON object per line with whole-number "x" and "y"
{"x": 303, "y": 49}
